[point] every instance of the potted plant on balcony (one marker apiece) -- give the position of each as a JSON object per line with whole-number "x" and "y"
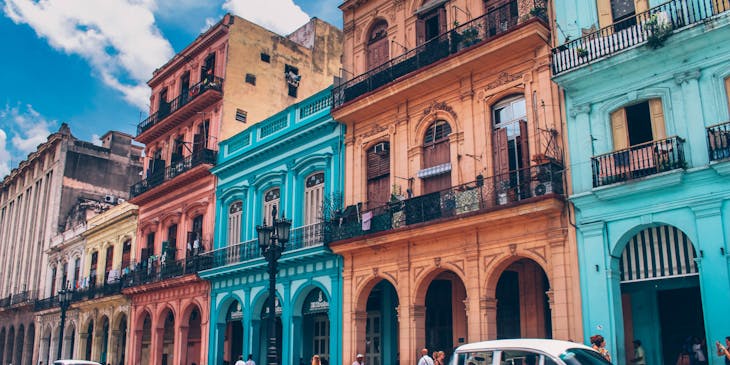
{"x": 658, "y": 30}
{"x": 538, "y": 11}
{"x": 581, "y": 52}
{"x": 502, "y": 189}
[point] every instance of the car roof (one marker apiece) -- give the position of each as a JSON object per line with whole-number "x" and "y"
{"x": 76, "y": 362}
{"x": 551, "y": 347}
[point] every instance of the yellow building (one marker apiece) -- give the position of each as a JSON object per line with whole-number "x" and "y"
{"x": 103, "y": 316}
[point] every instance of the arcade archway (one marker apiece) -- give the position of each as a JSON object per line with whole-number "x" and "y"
{"x": 523, "y": 307}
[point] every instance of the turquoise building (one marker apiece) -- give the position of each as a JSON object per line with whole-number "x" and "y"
{"x": 291, "y": 162}
{"x": 646, "y": 86}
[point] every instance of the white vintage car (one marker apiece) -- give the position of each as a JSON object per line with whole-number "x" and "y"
{"x": 75, "y": 362}
{"x": 526, "y": 352}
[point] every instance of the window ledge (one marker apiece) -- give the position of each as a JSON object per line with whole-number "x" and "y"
{"x": 643, "y": 185}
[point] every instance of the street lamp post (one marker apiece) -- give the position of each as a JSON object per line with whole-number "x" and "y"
{"x": 272, "y": 240}
{"x": 64, "y": 298}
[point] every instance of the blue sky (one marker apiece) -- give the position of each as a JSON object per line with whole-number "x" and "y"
{"x": 85, "y": 62}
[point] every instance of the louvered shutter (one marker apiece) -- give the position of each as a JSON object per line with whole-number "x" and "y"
{"x": 658, "y": 130}
{"x": 619, "y": 129}
{"x": 605, "y": 18}
{"x": 524, "y": 146}
{"x": 501, "y": 152}
{"x": 420, "y": 32}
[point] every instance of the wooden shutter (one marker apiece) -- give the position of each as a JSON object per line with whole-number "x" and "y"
{"x": 524, "y": 146}
{"x": 658, "y": 129}
{"x": 420, "y": 32}
{"x": 727, "y": 91}
{"x": 619, "y": 128}
{"x": 442, "y": 20}
{"x": 501, "y": 152}
{"x": 605, "y": 18}
{"x": 377, "y": 53}
{"x": 641, "y": 6}
{"x": 378, "y": 191}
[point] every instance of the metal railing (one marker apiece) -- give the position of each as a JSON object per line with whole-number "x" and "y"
{"x": 204, "y": 156}
{"x": 166, "y": 109}
{"x": 638, "y": 161}
{"x": 718, "y": 141}
{"x": 480, "y": 195}
{"x": 301, "y": 237}
{"x": 22, "y": 297}
{"x": 152, "y": 271}
{"x": 5, "y": 302}
{"x": 47, "y": 303}
{"x": 653, "y": 25}
{"x": 482, "y": 29}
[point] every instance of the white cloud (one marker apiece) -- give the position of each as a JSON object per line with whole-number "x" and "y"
{"x": 209, "y": 22}
{"x": 96, "y": 139}
{"x": 280, "y": 16}
{"x": 118, "y": 38}
{"x": 25, "y": 129}
{"x": 4, "y": 154}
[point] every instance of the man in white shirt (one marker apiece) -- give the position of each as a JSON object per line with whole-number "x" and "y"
{"x": 250, "y": 360}
{"x": 425, "y": 359}
{"x": 240, "y": 361}
{"x": 359, "y": 360}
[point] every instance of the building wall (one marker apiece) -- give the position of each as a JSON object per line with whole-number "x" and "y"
{"x": 688, "y": 74}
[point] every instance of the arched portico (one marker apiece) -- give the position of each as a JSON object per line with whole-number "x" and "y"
{"x": 376, "y": 322}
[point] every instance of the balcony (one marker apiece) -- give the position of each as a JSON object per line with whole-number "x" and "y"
{"x": 650, "y": 26}
{"x": 718, "y": 141}
{"x": 301, "y": 237}
{"x": 482, "y": 195}
{"x": 152, "y": 271}
{"x": 5, "y": 302}
{"x": 22, "y": 297}
{"x": 187, "y": 104}
{"x": 476, "y": 32}
{"x": 176, "y": 168}
{"x": 638, "y": 161}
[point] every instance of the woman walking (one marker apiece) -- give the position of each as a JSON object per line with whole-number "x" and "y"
{"x": 599, "y": 344}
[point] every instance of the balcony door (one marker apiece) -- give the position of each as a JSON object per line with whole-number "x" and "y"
{"x": 436, "y": 172}
{"x": 501, "y": 15}
{"x": 431, "y": 22}
{"x": 200, "y": 139}
{"x": 378, "y": 174}
{"x": 271, "y": 203}
{"x": 620, "y": 12}
{"x": 510, "y": 148}
{"x": 378, "y": 51}
{"x": 638, "y": 123}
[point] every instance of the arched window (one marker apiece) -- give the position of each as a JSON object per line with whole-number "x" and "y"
{"x": 378, "y": 174}
{"x": 313, "y": 195}
{"x": 436, "y": 167}
{"x": 235, "y": 211}
{"x": 378, "y": 51}
{"x": 271, "y": 202}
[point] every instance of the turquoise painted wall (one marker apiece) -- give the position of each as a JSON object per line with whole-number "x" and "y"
{"x": 687, "y": 73}
{"x": 280, "y": 151}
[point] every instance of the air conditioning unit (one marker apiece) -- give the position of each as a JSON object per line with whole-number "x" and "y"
{"x": 381, "y": 147}
{"x": 111, "y": 199}
{"x": 542, "y": 188}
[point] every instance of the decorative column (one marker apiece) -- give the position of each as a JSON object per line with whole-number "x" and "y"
{"x": 488, "y": 315}
{"x": 695, "y": 147}
{"x": 581, "y": 146}
{"x": 181, "y": 345}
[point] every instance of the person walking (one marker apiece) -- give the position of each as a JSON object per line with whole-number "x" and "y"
{"x": 316, "y": 360}
{"x": 425, "y": 359}
{"x": 599, "y": 344}
{"x": 359, "y": 360}
{"x": 639, "y": 354}
{"x": 240, "y": 361}
{"x": 250, "y": 360}
{"x": 722, "y": 351}
{"x": 699, "y": 352}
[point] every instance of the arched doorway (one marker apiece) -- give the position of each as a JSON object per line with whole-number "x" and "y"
{"x": 445, "y": 323}
{"x": 69, "y": 341}
{"x": 316, "y": 325}
{"x": 18, "y": 351}
{"x": 265, "y": 330}
{"x": 29, "y": 345}
{"x": 2, "y": 345}
{"x": 119, "y": 340}
{"x": 145, "y": 350}
{"x": 660, "y": 292}
{"x": 194, "y": 336}
{"x": 523, "y": 308}
{"x": 9, "y": 345}
{"x": 380, "y": 344}
{"x": 377, "y": 44}
{"x": 104, "y": 340}
{"x": 167, "y": 343}
{"x": 233, "y": 338}
{"x": 89, "y": 343}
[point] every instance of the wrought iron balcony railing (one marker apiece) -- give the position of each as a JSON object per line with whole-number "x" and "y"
{"x": 638, "y": 161}
{"x": 718, "y": 141}
{"x": 301, "y": 237}
{"x": 480, "y": 195}
{"x": 47, "y": 303}
{"x": 152, "y": 271}
{"x": 204, "y": 156}
{"x": 653, "y": 25}
{"x": 22, "y": 297}
{"x": 482, "y": 29}
{"x": 166, "y": 109}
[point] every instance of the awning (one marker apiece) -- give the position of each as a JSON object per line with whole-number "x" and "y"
{"x": 658, "y": 253}
{"x": 435, "y": 170}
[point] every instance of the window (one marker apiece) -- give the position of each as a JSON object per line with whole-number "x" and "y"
{"x": 197, "y": 233}
{"x": 313, "y": 195}
{"x": 517, "y": 357}
{"x": 241, "y": 115}
{"x": 93, "y": 266}
{"x": 436, "y": 172}
{"x": 109, "y": 262}
{"x": 150, "y": 249}
{"x": 637, "y": 124}
{"x": 474, "y": 358}
{"x": 251, "y": 79}
{"x": 171, "y": 248}
{"x": 510, "y": 135}
{"x": 77, "y": 269}
{"x": 292, "y": 77}
{"x": 234, "y": 222}
{"x": 163, "y": 107}
{"x": 207, "y": 71}
{"x": 271, "y": 205}
{"x": 53, "y": 281}
{"x": 126, "y": 253}
{"x": 185, "y": 84}
{"x": 378, "y": 174}
{"x": 430, "y": 24}
{"x": 177, "y": 152}
{"x": 377, "y": 48}
{"x": 620, "y": 12}
{"x": 727, "y": 91}
{"x": 200, "y": 139}
{"x": 64, "y": 276}
{"x": 265, "y": 57}
{"x": 501, "y": 15}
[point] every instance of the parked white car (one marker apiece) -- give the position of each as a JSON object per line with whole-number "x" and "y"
{"x": 75, "y": 362}
{"x": 526, "y": 352}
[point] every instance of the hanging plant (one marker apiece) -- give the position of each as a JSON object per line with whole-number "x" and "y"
{"x": 658, "y": 30}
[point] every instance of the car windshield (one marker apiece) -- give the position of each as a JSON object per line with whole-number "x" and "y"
{"x": 582, "y": 357}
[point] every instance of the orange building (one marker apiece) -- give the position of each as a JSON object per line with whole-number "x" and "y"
{"x": 233, "y": 75}
{"x": 457, "y": 227}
